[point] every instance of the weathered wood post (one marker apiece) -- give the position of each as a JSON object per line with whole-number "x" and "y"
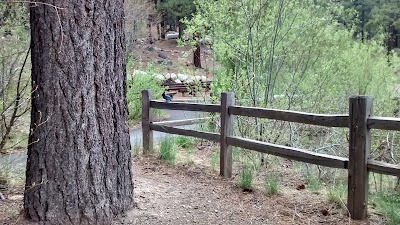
{"x": 147, "y": 133}
{"x": 227, "y": 99}
{"x": 360, "y": 109}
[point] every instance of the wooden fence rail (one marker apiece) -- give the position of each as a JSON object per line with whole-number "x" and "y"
{"x": 359, "y": 121}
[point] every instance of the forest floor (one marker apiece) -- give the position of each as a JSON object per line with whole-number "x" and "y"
{"x": 194, "y": 193}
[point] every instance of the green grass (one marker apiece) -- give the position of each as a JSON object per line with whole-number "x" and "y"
{"x": 246, "y": 178}
{"x": 215, "y": 160}
{"x": 271, "y": 185}
{"x": 184, "y": 142}
{"x": 337, "y": 194}
{"x": 389, "y": 205}
{"x": 167, "y": 151}
{"x": 313, "y": 184}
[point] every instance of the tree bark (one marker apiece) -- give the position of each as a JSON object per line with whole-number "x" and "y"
{"x": 197, "y": 56}
{"x": 79, "y": 160}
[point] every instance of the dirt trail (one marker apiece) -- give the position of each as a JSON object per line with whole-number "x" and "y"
{"x": 195, "y": 195}
{"x": 192, "y": 194}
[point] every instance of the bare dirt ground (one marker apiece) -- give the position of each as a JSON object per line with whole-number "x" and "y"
{"x": 192, "y": 194}
{"x": 195, "y": 194}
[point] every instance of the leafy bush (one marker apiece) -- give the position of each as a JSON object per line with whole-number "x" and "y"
{"x": 184, "y": 142}
{"x": 136, "y": 84}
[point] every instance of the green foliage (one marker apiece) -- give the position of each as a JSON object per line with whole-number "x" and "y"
{"x": 373, "y": 18}
{"x": 14, "y": 72}
{"x": 247, "y": 177}
{"x": 138, "y": 83}
{"x": 178, "y": 8}
{"x": 337, "y": 194}
{"x": 215, "y": 160}
{"x": 314, "y": 184}
{"x": 271, "y": 185}
{"x": 389, "y": 204}
{"x": 167, "y": 151}
{"x": 291, "y": 48}
{"x": 184, "y": 142}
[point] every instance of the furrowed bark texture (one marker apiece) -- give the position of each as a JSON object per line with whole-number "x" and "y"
{"x": 79, "y": 160}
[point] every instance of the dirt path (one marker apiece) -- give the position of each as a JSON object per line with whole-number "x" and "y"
{"x": 194, "y": 195}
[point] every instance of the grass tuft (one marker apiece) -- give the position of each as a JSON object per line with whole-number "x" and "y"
{"x": 167, "y": 151}
{"x": 246, "y": 178}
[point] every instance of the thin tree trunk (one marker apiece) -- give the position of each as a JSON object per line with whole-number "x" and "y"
{"x": 79, "y": 160}
{"x": 197, "y": 56}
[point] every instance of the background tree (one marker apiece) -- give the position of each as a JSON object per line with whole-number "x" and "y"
{"x": 79, "y": 160}
{"x": 176, "y": 10}
{"x": 137, "y": 14}
{"x": 14, "y": 79}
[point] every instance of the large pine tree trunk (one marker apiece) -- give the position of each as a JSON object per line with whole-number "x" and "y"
{"x": 79, "y": 161}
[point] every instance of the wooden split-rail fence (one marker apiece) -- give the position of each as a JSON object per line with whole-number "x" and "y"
{"x": 359, "y": 121}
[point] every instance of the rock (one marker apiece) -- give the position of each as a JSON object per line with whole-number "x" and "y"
{"x": 189, "y": 80}
{"x": 182, "y": 76}
{"x": 173, "y": 76}
{"x": 163, "y": 55}
{"x": 171, "y": 35}
{"x": 178, "y": 81}
{"x": 159, "y": 77}
{"x": 169, "y": 63}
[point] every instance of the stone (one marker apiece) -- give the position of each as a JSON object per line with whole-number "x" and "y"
{"x": 163, "y": 55}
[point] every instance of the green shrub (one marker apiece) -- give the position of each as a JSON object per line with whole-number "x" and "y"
{"x": 167, "y": 151}
{"x": 337, "y": 193}
{"x": 138, "y": 83}
{"x": 246, "y": 178}
{"x": 184, "y": 142}
{"x": 389, "y": 205}
{"x": 271, "y": 185}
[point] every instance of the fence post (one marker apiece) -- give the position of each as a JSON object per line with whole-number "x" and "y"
{"x": 147, "y": 133}
{"x": 360, "y": 108}
{"x": 227, "y": 99}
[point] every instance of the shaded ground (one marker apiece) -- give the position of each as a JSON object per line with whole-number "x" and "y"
{"x": 193, "y": 194}
{"x": 197, "y": 195}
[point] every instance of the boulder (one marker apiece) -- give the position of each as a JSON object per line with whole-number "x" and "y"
{"x": 163, "y": 55}
{"x": 182, "y": 76}
{"x": 171, "y": 35}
